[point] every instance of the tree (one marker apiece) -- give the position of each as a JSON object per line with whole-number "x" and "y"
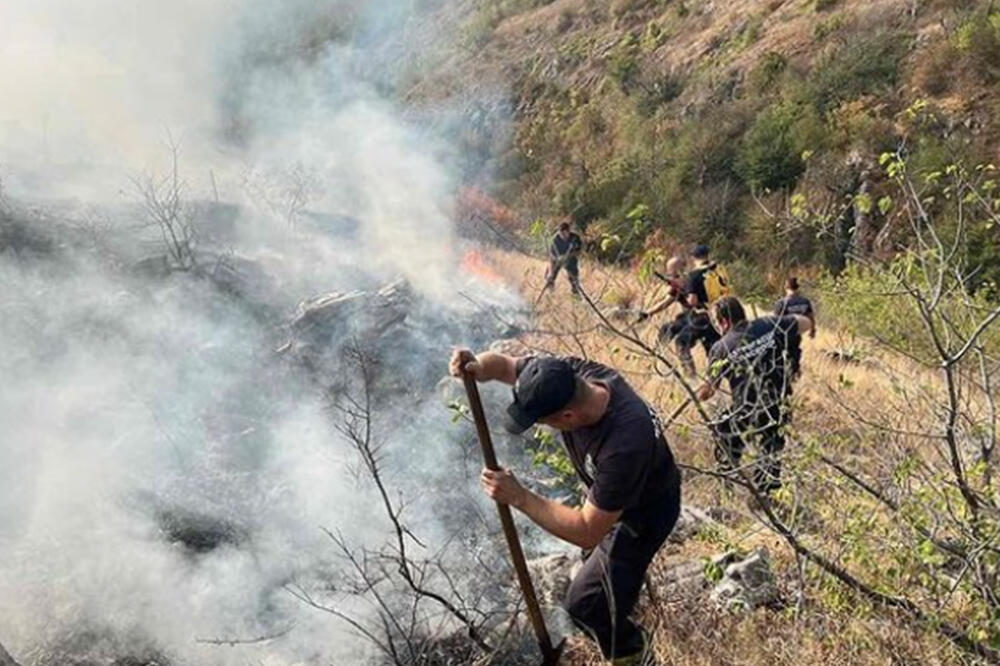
{"x": 163, "y": 202}
{"x": 421, "y": 614}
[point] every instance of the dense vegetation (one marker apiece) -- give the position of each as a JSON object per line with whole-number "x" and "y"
{"x": 754, "y": 126}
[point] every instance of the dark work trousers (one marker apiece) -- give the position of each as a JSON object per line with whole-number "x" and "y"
{"x": 572, "y": 272}
{"x": 688, "y": 329}
{"x": 763, "y": 426}
{"x": 602, "y": 596}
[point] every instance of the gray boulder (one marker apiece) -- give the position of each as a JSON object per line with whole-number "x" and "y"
{"x": 747, "y": 584}
{"x": 330, "y": 318}
{"x": 327, "y": 328}
{"x": 692, "y": 520}
{"x": 5, "y": 658}
{"x": 687, "y": 580}
{"x": 552, "y": 575}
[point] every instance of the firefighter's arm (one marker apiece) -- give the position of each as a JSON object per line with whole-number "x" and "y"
{"x": 661, "y": 306}
{"x": 718, "y": 367}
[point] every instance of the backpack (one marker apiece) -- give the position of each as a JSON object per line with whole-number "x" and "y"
{"x": 717, "y": 283}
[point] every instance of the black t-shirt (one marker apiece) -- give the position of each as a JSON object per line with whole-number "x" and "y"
{"x": 695, "y": 284}
{"x": 759, "y": 359}
{"x": 563, "y": 246}
{"x": 623, "y": 459}
{"x": 796, "y": 304}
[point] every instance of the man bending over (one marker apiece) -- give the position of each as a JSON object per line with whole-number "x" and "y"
{"x": 617, "y": 447}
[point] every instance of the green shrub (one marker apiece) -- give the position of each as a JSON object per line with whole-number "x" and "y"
{"x": 768, "y": 70}
{"x": 770, "y": 156}
{"x": 662, "y": 90}
{"x": 869, "y": 302}
{"x": 599, "y": 195}
{"x": 623, "y": 66}
{"x": 749, "y": 281}
{"x": 857, "y": 68}
{"x": 978, "y": 40}
{"x": 828, "y": 26}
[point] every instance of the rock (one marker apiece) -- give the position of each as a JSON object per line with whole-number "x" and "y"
{"x": 5, "y": 658}
{"x": 24, "y": 239}
{"x": 552, "y": 575}
{"x": 332, "y": 317}
{"x": 684, "y": 580}
{"x": 198, "y": 533}
{"x": 326, "y": 326}
{"x": 405, "y": 338}
{"x": 156, "y": 267}
{"x": 692, "y": 520}
{"x": 240, "y": 277}
{"x": 687, "y": 579}
{"x": 747, "y": 585}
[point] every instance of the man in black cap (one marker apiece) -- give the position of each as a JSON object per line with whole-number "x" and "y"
{"x": 563, "y": 253}
{"x": 616, "y": 444}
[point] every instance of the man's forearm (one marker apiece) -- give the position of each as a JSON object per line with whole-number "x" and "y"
{"x": 559, "y": 520}
{"x": 498, "y": 367}
{"x": 662, "y": 305}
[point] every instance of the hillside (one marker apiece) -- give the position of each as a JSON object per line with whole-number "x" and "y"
{"x": 234, "y": 272}
{"x": 711, "y": 118}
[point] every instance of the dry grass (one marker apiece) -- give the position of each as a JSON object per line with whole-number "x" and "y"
{"x": 831, "y": 627}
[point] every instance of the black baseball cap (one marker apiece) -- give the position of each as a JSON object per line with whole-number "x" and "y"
{"x": 699, "y": 251}
{"x": 544, "y": 386}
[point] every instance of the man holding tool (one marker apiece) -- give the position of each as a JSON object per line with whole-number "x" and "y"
{"x": 563, "y": 253}
{"x": 705, "y": 283}
{"x": 617, "y": 447}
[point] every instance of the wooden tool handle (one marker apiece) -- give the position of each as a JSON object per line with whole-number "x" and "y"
{"x": 549, "y": 653}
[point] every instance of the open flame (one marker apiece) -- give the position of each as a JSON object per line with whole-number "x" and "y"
{"x": 474, "y": 263}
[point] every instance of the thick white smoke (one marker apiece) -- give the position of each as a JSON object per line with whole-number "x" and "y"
{"x": 123, "y": 400}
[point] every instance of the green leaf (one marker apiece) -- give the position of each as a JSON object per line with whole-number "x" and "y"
{"x": 864, "y": 203}
{"x": 885, "y": 204}
{"x": 798, "y": 205}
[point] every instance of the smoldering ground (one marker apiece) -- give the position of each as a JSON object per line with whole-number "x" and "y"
{"x": 165, "y": 473}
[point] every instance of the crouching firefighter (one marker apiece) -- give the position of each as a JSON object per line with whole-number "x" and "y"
{"x": 705, "y": 284}
{"x": 760, "y": 359}
{"x": 617, "y": 446}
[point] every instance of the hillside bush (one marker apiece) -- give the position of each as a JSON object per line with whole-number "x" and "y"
{"x": 978, "y": 40}
{"x": 599, "y": 195}
{"x": 769, "y": 69}
{"x": 935, "y": 71}
{"x": 770, "y": 156}
{"x": 623, "y": 66}
{"x": 859, "y": 67}
{"x": 661, "y": 91}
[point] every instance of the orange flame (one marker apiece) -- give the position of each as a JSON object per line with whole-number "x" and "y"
{"x": 474, "y": 263}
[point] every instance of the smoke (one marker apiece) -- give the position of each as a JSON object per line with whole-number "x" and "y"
{"x": 130, "y": 407}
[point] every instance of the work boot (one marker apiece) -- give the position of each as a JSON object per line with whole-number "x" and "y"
{"x": 644, "y": 657}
